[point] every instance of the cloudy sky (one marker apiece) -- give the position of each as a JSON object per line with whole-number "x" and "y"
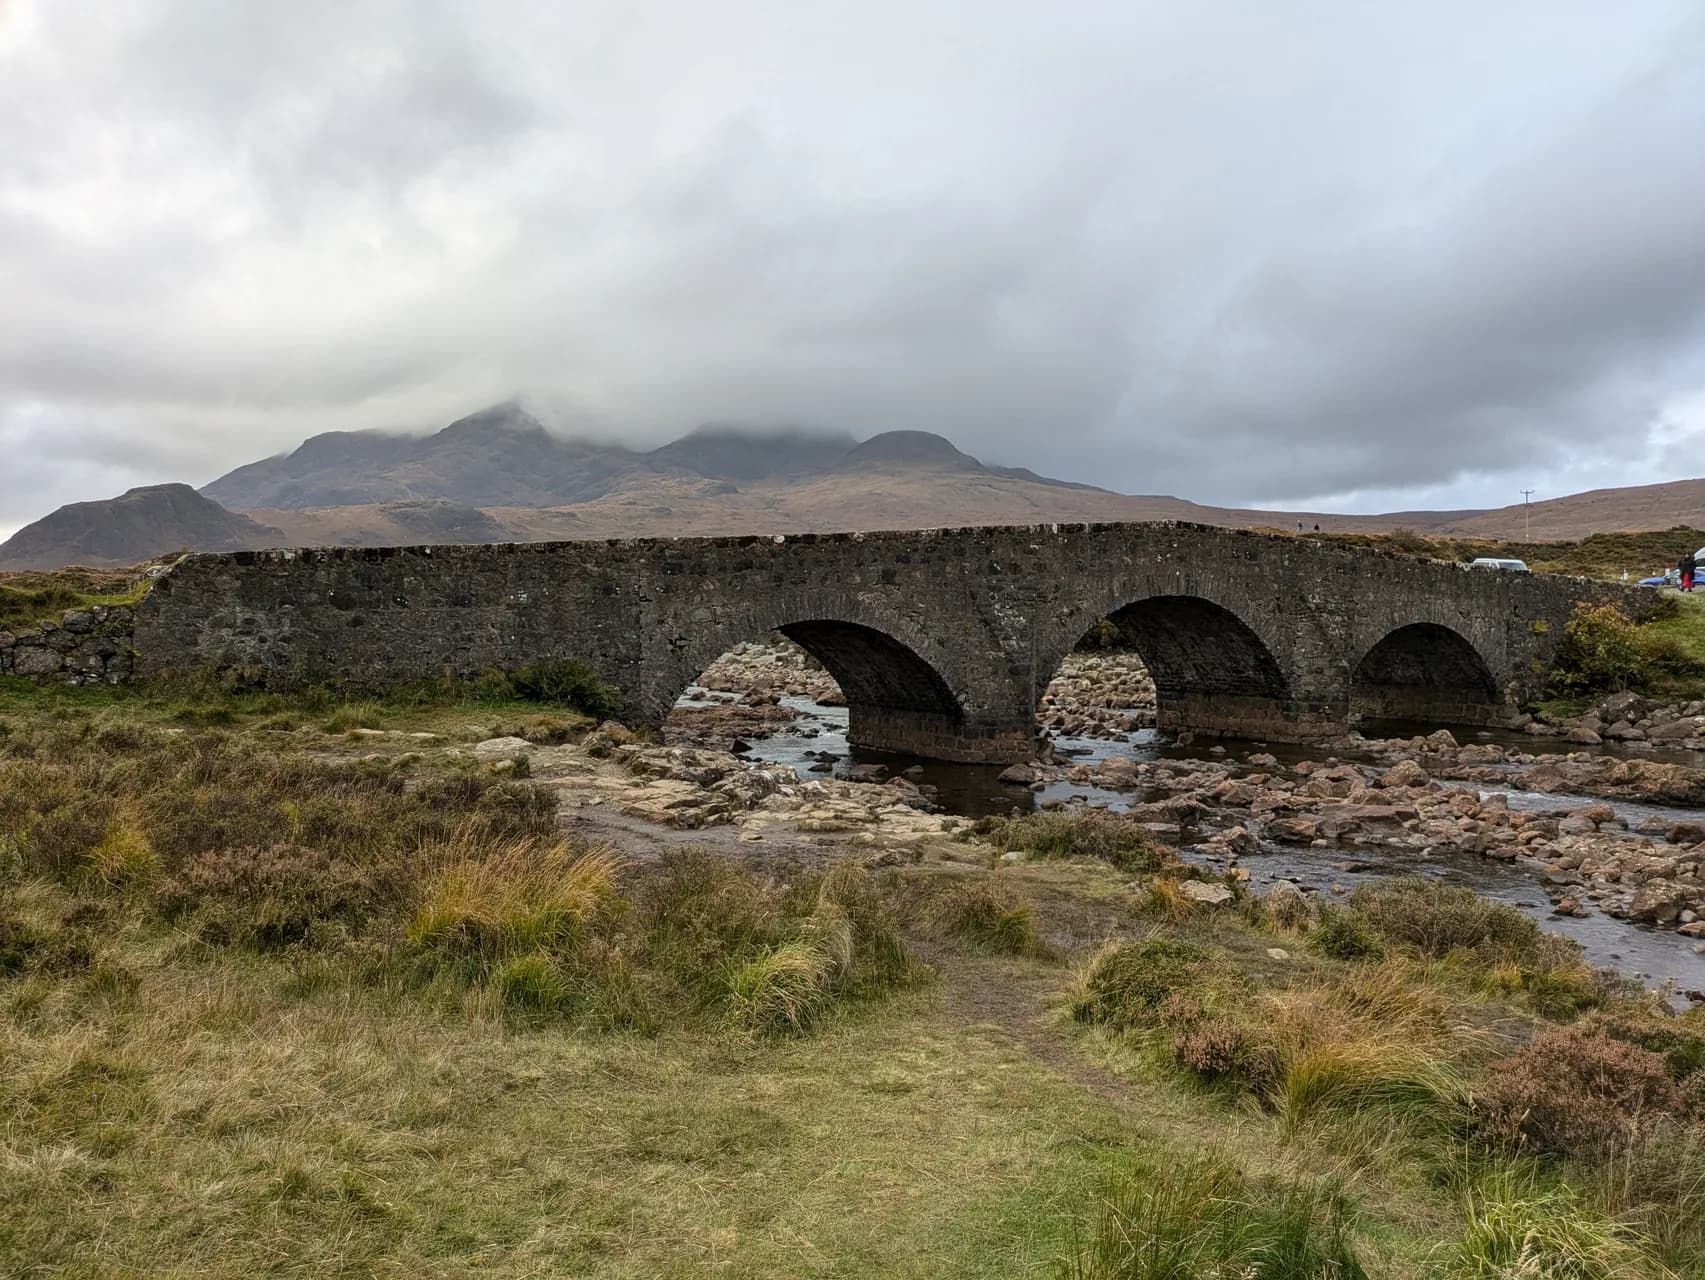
{"x": 1369, "y": 256}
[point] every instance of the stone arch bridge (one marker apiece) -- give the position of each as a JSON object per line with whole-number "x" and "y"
{"x": 943, "y": 640}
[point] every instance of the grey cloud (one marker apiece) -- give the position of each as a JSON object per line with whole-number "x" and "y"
{"x": 1228, "y": 252}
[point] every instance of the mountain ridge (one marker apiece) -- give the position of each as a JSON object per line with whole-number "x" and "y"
{"x": 500, "y": 475}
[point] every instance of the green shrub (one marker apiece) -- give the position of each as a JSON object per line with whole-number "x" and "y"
{"x": 1102, "y": 636}
{"x": 1344, "y": 933}
{"x": 1203, "y": 1219}
{"x": 566, "y": 682}
{"x": 1602, "y": 649}
{"x": 1086, "y": 833}
{"x": 1437, "y": 919}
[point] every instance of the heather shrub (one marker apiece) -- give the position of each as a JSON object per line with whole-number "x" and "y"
{"x": 74, "y": 812}
{"x": 275, "y": 896}
{"x": 1221, "y": 1051}
{"x": 1574, "y": 1091}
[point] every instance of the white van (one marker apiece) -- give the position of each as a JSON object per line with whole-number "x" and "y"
{"x": 1493, "y": 562}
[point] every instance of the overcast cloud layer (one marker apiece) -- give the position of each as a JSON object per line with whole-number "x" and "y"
{"x": 1375, "y": 255}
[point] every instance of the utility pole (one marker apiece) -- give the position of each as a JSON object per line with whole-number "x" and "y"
{"x": 1526, "y": 516}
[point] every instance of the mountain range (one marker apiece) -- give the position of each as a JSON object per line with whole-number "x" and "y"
{"x": 499, "y": 475}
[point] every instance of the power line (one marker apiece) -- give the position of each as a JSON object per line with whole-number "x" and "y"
{"x": 1526, "y": 516}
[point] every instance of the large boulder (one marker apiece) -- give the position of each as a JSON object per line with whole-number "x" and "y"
{"x": 1405, "y": 773}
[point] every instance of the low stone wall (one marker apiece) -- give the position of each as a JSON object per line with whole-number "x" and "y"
{"x": 86, "y": 646}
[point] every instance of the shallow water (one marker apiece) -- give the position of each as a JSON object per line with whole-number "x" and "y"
{"x": 1654, "y": 956}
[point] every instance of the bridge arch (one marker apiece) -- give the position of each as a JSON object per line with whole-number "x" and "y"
{"x": 1423, "y": 671}
{"x": 1212, "y": 670}
{"x": 900, "y": 696}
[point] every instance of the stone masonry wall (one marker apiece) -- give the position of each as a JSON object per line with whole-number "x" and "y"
{"x": 86, "y": 646}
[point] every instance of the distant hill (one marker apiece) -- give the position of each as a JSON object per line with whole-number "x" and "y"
{"x": 499, "y": 475}
{"x": 136, "y": 526}
{"x": 501, "y": 456}
{"x": 745, "y": 455}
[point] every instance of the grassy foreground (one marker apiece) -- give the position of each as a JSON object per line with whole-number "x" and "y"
{"x": 278, "y": 998}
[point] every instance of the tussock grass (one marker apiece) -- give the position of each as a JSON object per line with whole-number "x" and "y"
{"x": 782, "y": 989}
{"x": 1081, "y": 833}
{"x": 986, "y": 913}
{"x": 1519, "y": 1228}
{"x": 1205, "y": 1219}
{"x": 517, "y": 898}
{"x": 1126, "y": 985}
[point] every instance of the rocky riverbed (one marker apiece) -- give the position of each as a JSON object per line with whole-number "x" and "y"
{"x": 1579, "y": 849}
{"x": 1600, "y": 836}
{"x": 1629, "y": 719}
{"x": 611, "y": 773}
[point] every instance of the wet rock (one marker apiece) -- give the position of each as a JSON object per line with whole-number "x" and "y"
{"x": 1297, "y": 829}
{"x": 1657, "y": 902}
{"x": 1018, "y": 775}
{"x": 1622, "y": 706}
{"x": 1583, "y": 735}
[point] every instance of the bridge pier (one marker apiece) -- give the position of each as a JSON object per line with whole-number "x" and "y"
{"x": 1222, "y": 715}
{"x": 933, "y": 736}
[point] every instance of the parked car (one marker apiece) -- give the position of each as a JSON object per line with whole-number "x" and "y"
{"x": 1495, "y": 562}
{"x": 1668, "y": 578}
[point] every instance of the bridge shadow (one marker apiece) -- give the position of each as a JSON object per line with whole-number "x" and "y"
{"x": 1209, "y": 668}
{"x": 1423, "y": 672}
